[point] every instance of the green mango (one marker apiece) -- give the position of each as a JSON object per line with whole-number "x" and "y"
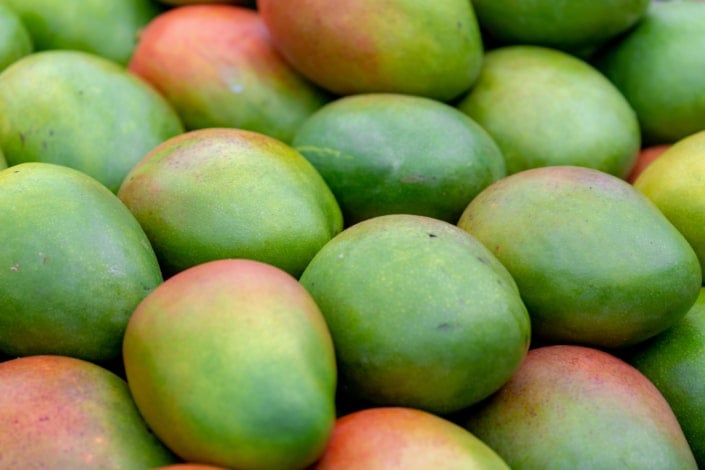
{"x": 75, "y": 264}
{"x": 658, "y": 67}
{"x": 674, "y": 361}
{"x": 108, "y": 28}
{"x": 576, "y": 26}
{"x": 384, "y": 153}
{"x": 420, "y": 312}
{"x": 81, "y": 110}
{"x": 547, "y": 107}
{"x": 595, "y": 261}
{"x": 15, "y": 41}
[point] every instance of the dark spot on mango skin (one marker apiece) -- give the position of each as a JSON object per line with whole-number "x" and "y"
{"x": 444, "y": 327}
{"x": 432, "y": 235}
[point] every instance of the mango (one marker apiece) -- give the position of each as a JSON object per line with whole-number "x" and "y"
{"x": 231, "y": 364}
{"x": 15, "y": 41}
{"x": 579, "y": 407}
{"x": 577, "y": 26}
{"x": 431, "y": 49}
{"x": 673, "y": 182}
{"x": 229, "y": 193}
{"x": 658, "y": 67}
{"x": 75, "y": 264}
{"x": 83, "y": 111}
{"x": 674, "y": 361}
{"x": 384, "y": 153}
{"x": 381, "y": 438}
{"x": 546, "y": 107}
{"x": 422, "y": 315}
{"x": 595, "y": 261}
{"x": 63, "y": 412}
{"x": 216, "y": 65}
{"x": 108, "y": 28}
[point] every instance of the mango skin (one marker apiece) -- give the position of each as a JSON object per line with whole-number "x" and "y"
{"x": 673, "y": 182}
{"x": 595, "y": 261}
{"x": 15, "y": 41}
{"x": 108, "y": 28}
{"x": 580, "y": 407}
{"x": 83, "y": 111}
{"x": 381, "y": 438}
{"x": 229, "y": 193}
{"x": 365, "y": 46}
{"x": 384, "y": 153}
{"x": 75, "y": 264}
{"x": 216, "y": 65}
{"x": 576, "y": 26}
{"x": 63, "y": 412}
{"x": 546, "y": 107}
{"x": 658, "y": 67}
{"x": 674, "y": 361}
{"x": 231, "y": 364}
{"x": 422, "y": 315}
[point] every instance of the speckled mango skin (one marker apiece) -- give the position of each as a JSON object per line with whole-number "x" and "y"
{"x": 228, "y": 193}
{"x": 422, "y": 315}
{"x": 595, "y": 261}
{"x": 62, "y": 412}
{"x": 573, "y": 406}
{"x": 74, "y": 266}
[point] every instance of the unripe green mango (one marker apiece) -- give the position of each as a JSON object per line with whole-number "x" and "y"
{"x": 547, "y": 107}
{"x": 15, "y": 41}
{"x": 674, "y": 361}
{"x": 108, "y": 28}
{"x": 658, "y": 67}
{"x": 74, "y": 264}
{"x": 81, "y": 110}
{"x": 421, "y": 313}
{"x": 595, "y": 261}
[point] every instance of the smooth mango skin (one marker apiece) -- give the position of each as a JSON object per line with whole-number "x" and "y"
{"x": 384, "y": 153}
{"x": 15, "y": 41}
{"x": 62, "y": 412}
{"x": 546, "y": 107}
{"x": 83, "y": 111}
{"x": 231, "y": 364}
{"x": 228, "y": 193}
{"x": 216, "y": 65}
{"x": 595, "y": 261}
{"x": 673, "y": 182}
{"x": 658, "y": 68}
{"x": 674, "y": 361}
{"x": 382, "y": 438}
{"x": 75, "y": 264}
{"x": 416, "y": 47}
{"x": 421, "y": 314}
{"x": 108, "y": 28}
{"x": 575, "y": 26}
{"x": 573, "y": 407}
